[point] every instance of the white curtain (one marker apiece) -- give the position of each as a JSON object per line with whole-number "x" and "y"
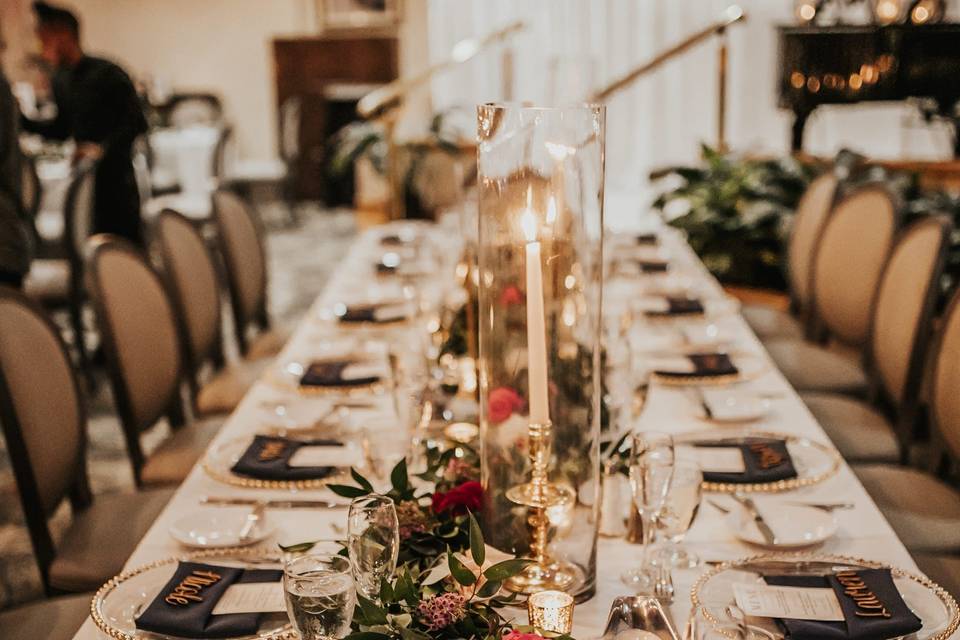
{"x": 663, "y": 118}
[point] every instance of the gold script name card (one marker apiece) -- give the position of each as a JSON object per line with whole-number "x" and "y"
{"x": 868, "y": 604}
{"x": 190, "y": 588}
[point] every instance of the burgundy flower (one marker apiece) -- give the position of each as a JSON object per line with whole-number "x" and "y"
{"x": 501, "y": 404}
{"x": 468, "y": 495}
{"x": 510, "y": 296}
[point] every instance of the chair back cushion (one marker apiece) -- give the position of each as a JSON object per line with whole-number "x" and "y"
{"x": 45, "y": 397}
{"x": 138, "y": 329}
{"x": 849, "y": 260}
{"x": 903, "y": 306}
{"x": 243, "y": 254}
{"x": 812, "y": 212}
{"x": 945, "y": 392}
{"x": 192, "y": 275}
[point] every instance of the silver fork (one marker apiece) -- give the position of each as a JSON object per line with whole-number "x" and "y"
{"x": 663, "y": 586}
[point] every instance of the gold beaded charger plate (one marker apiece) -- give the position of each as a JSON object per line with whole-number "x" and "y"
{"x": 219, "y": 461}
{"x": 750, "y": 366}
{"x": 286, "y": 376}
{"x": 120, "y": 600}
{"x": 712, "y": 593}
{"x": 814, "y": 462}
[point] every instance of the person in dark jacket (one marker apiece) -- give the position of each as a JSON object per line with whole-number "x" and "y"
{"x": 16, "y": 237}
{"x": 98, "y": 107}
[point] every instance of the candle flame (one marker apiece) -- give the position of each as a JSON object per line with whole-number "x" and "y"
{"x": 528, "y": 223}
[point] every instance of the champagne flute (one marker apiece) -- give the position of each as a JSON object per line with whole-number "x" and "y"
{"x": 320, "y": 596}
{"x": 373, "y": 542}
{"x": 651, "y": 471}
{"x": 679, "y": 511}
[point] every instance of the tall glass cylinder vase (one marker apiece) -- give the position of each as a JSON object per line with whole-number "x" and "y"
{"x": 541, "y": 176}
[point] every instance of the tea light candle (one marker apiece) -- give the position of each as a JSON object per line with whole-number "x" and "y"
{"x": 462, "y": 432}
{"x": 551, "y": 611}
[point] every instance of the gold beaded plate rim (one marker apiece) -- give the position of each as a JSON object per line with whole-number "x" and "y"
{"x": 213, "y": 469}
{"x": 275, "y": 379}
{"x": 763, "y": 367}
{"x": 766, "y": 487}
{"x": 945, "y": 598}
{"x": 286, "y": 632}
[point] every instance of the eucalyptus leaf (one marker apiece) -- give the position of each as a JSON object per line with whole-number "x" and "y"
{"x": 460, "y": 572}
{"x": 300, "y": 547}
{"x": 367, "y": 635}
{"x": 506, "y": 569}
{"x": 360, "y": 480}
{"x": 477, "y": 547}
{"x": 347, "y": 491}
{"x": 399, "y": 477}
{"x": 372, "y": 614}
{"x": 489, "y": 589}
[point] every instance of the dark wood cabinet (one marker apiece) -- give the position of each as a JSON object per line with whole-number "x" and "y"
{"x": 320, "y": 72}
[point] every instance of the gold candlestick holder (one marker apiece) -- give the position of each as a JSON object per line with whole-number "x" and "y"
{"x": 539, "y": 496}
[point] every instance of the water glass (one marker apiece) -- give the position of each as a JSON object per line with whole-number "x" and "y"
{"x": 373, "y": 542}
{"x": 678, "y": 513}
{"x": 651, "y": 471}
{"x": 320, "y": 596}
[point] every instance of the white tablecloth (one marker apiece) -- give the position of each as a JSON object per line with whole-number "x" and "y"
{"x": 862, "y": 532}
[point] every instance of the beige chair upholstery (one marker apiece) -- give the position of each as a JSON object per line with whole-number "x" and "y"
{"x": 54, "y": 619}
{"x": 808, "y": 222}
{"x": 860, "y": 432}
{"x": 941, "y": 568}
{"x": 102, "y": 537}
{"x": 898, "y": 345}
{"x": 810, "y": 367}
{"x": 269, "y": 343}
{"x": 46, "y": 436}
{"x": 924, "y": 511}
{"x": 140, "y": 338}
{"x": 224, "y": 391}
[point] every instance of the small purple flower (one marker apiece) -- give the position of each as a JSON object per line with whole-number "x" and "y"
{"x": 439, "y": 612}
{"x": 411, "y": 518}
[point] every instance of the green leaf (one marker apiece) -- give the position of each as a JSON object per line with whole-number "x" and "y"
{"x": 300, "y": 547}
{"x": 459, "y": 572}
{"x": 386, "y": 591}
{"x": 347, "y": 491}
{"x": 360, "y": 480}
{"x": 372, "y": 614}
{"x": 367, "y": 635}
{"x": 412, "y": 634}
{"x": 405, "y": 589}
{"x": 399, "y": 478}
{"x": 489, "y": 589}
{"x": 506, "y": 569}
{"x": 477, "y": 548}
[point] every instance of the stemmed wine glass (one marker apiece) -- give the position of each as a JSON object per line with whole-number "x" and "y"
{"x": 373, "y": 542}
{"x": 651, "y": 472}
{"x": 682, "y": 505}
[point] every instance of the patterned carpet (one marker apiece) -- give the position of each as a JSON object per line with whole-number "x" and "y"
{"x": 301, "y": 260}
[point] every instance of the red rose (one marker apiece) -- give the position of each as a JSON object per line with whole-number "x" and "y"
{"x": 511, "y": 295}
{"x": 468, "y": 495}
{"x": 503, "y": 401}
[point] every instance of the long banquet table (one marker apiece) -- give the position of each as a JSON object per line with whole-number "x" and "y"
{"x": 863, "y": 532}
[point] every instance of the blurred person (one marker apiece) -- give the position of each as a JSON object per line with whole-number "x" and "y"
{"x": 16, "y": 237}
{"x": 98, "y": 107}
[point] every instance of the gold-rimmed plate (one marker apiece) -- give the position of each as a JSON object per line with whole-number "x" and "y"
{"x": 813, "y": 461}
{"x": 712, "y": 593}
{"x": 117, "y": 603}
{"x": 750, "y": 366}
{"x": 220, "y": 459}
{"x": 286, "y": 376}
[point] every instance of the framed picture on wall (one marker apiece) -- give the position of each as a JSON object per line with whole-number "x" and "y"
{"x": 337, "y": 15}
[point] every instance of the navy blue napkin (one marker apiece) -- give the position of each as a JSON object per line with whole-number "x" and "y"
{"x": 268, "y": 457}
{"x": 195, "y": 619}
{"x": 764, "y": 460}
{"x": 386, "y": 269}
{"x": 679, "y": 306}
{"x": 329, "y": 373}
{"x": 392, "y": 240}
{"x": 653, "y": 266}
{"x": 705, "y": 365}
{"x": 856, "y": 626}
{"x": 647, "y": 239}
{"x": 366, "y": 313}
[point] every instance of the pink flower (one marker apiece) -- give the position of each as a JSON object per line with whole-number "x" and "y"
{"x": 459, "y": 470}
{"x": 501, "y": 404}
{"x": 511, "y": 295}
{"x": 468, "y": 495}
{"x": 519, "y": 635}
{"x": 439, "y": 612}
{"x": 411, "y": 518}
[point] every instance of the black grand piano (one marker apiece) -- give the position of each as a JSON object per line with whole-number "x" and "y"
{"x": 849, "y": 64}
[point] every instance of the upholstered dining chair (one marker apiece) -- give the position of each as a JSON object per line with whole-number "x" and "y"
{"x": 194, "y": 287}
{"x": 896, "y": 353}
{"x": 57, "y": 282}
{"x": 44, "y": 424}
{"x": 921, "y": 507}
{"x": 53, "y": 619}
{"x": 142, "y": 346}
{"x": 240, "y": 238}
{"x": 847, "y": 264}
{"x": 808, "y": 223}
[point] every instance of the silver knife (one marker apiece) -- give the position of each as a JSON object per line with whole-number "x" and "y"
{"x": 762, "y": 526}
{"x": 273, "y": 504}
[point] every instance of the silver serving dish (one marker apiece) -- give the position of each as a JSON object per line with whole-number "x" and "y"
{"x": 640, "y": 612}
